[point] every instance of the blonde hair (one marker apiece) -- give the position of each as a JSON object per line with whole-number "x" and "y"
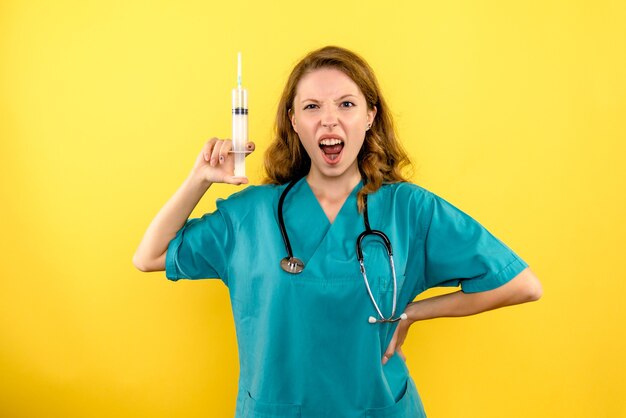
{"x": 381, "y": 158}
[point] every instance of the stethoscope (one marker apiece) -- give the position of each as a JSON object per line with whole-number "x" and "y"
{"x": 294, "y": 265}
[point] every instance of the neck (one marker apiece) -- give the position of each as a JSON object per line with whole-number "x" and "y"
{"x": 333, "y": 188}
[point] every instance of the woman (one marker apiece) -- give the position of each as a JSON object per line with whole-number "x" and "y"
{"x": 309, "y": 342}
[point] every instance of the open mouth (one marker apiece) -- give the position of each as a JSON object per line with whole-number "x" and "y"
{"x": 331, "y": 149}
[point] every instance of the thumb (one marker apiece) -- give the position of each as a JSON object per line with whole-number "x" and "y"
{"x": 235, "y": 180}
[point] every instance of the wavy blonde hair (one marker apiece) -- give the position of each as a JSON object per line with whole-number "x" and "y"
{"x": 381, "y": 158}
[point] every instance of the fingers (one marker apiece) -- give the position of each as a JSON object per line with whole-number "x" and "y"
{"x": 215, "y": 154}
{"x": 250, "y": 147}
{"x": 216, "y": 150}
{"x": 391, "y": 348}
{"x": 226, "y": 147}
{"x": 395, "y": 345}
{"x": 208, "y": 148}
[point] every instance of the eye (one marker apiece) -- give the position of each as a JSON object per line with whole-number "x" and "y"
{"x": 347, "y": 104}
{"x": 310, "y": 106}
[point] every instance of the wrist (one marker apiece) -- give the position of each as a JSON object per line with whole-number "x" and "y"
{"x": 198, "y": 183}
{"x": 413, "y": 312}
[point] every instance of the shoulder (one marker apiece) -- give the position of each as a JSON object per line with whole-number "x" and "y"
{"x": 412, "y": 194}
{"x": 253, "y": 192}
{"x": 251, "y": 195}
{"x": 418, "y": 204}
{"x": 253, "y": 200}
{"x": 408, "y": 205}
{"x": 406, "y": 193}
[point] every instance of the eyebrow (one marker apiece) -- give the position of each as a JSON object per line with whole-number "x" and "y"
{"x": 339, "y": 99}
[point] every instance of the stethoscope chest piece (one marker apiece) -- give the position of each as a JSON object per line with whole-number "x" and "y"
{"x": 292, "y": 265}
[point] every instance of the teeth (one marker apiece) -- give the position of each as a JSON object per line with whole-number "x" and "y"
{"x": 331, "y": 141}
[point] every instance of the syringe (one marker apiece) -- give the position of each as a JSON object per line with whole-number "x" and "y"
{"x": 240, "y": 123}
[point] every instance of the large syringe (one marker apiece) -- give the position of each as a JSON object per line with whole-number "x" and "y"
{"x": 240, "y": 123}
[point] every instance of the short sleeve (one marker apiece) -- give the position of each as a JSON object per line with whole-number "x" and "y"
{"x": 460, "y": 251}
{"x": 198, "y": 251}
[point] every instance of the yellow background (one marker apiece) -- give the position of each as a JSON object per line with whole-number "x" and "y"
{"x": 513, "y": 111}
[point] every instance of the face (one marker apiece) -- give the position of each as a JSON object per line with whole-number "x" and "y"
{"x": 330, "y": 116}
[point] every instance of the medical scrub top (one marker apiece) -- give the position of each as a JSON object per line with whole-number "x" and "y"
{"x": 306, "y": 348}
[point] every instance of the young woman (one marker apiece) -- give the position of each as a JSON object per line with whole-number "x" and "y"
{"x": 321, "y": 308}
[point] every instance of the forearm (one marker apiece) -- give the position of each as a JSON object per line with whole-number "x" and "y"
{"x": 150, "y": 255}
{"x": 525, "y": 287}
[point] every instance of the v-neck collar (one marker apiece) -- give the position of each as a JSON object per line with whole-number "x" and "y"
{"x": 310, "y": 232}
{"x": 347, "y": 202}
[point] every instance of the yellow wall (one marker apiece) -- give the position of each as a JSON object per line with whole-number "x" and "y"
{"x": 513, "y": 111}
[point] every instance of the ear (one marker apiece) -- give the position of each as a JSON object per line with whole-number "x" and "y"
{"x": 371, "y": 114}
{"x": 292, "y": 117}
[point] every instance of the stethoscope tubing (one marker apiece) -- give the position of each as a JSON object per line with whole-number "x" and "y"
{"x": 361, "y": 259}
{"x": 281, "y": 222}
{"x": 293, "y": 265}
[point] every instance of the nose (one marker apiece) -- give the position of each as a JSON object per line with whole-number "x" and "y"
{"x": 329, "y": 117}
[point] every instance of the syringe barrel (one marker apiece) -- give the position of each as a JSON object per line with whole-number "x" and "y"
{"x": 240, "y": 129}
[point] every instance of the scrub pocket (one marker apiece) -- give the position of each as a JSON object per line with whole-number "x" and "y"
{"x": 257, "y": 409}
{"x": 385, "y": 294}
{"x": 409, "y": 405}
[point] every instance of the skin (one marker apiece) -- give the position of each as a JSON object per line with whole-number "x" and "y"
{"x": 328, "y": 102}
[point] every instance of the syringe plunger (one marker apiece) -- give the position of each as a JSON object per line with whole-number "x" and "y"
{"x": 240, "y": 123}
